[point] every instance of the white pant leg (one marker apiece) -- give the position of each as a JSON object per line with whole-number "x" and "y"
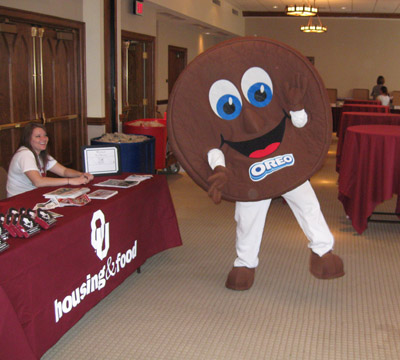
{"x": 305, "y": 206}
{"x": 250, "y": 218}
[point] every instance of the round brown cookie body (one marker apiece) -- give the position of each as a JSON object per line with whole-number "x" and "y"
{"x": 237, "y": 97}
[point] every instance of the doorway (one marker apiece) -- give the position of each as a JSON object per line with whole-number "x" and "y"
{"x": 138, "y": 99}
{"x": 177, "y": 61}
{"x": 41, "y": 80}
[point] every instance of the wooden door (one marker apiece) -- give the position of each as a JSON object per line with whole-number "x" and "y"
{"x": 17, "y": 103}
{"x": 137, "y": 76}
{"x": 41, "y": 80}
{"x": 177, "y": 61}
{"x": 58, "y": 96}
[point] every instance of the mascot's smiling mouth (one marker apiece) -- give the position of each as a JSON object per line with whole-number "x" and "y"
{"x": 261, "y": 146}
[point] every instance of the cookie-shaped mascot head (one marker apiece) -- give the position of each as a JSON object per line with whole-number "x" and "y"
{"x": 259, "y": 102}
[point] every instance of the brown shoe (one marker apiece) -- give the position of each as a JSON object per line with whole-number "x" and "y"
{"x": 240, "y": 278}
{"x": 329, "y": 266}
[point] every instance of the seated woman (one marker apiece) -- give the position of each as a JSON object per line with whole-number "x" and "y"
{"x": 384, "y": 97}
{"x": 31, "y": 162}
{"x": 380, "y": 81}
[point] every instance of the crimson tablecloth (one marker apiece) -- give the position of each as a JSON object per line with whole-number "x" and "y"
{"x": 370, "y": 170}
{"x": 365, "y": 108}
{"x": 48, "y": 282}
{"x": 362, "y": 108}
{"x": 363, "y": 102}
{"x": 361, "y": 118}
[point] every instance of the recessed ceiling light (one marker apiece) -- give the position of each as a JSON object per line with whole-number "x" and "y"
{"x": 343, "y": 8}
{"x": 275, "y": 7}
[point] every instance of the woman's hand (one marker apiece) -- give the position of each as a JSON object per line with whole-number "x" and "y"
{"x": 83, "y": 179}
{"x": 89, "y": 176}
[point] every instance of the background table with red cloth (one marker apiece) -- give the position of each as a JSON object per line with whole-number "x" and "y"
{"x": 336, "y": 114}
{"x": 370, "y": 170}
{"x": 365, "y": 107}
{"x": 361, "y": 108}
{"x": 40, "y": 273}
{"x": 361, "y": 118}
{"x": 365, "y": 102}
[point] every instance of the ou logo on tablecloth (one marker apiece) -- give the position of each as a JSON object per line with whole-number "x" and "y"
{"x": 100, "y": 238}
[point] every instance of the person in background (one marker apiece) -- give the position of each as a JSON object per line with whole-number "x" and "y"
{"x": 30, "y": 163}
{"x": 376, "y": 89}
{"x": 384, "y": 97}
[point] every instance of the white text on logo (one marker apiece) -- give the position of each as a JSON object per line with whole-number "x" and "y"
{"x": 260, "y": 170}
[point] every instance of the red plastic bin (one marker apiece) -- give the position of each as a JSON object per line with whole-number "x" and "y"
{"x": 159, "y": 132}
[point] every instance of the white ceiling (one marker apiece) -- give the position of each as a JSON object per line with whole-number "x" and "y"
{"x": 325, "y": 6}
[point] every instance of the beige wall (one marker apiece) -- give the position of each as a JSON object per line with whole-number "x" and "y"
{"x": 146, "y": 24}
{"x": 186, "y": 37}
{"x": 70, "y": 9}
{"x": 94, "y": 20}
{"x": 351, "y": 54}
{"x": 93, "y": 16}
{"x": 207, "y": 12}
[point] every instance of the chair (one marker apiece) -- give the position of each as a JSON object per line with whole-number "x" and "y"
{"x": 361, "y": 94}
{"x": 395, "y": 97}
{"x": 332, "y": 95}
{"x": 3, "y": 183}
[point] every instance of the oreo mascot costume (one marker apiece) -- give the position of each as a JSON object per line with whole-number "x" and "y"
{"x": 250, "y": 120}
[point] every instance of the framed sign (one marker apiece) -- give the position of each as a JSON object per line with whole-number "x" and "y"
{"x": 100, "y": 160}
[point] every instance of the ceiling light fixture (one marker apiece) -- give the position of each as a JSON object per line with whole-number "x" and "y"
{"x": 310, "y": 28}
{"x": 301, "y": 10}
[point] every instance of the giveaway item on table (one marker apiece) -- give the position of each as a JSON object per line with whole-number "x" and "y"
{"x": 50, "y": 204}
{"x": 3, "y": 233}
{"x": 44, "y": 218}
{"x": 138, "y": 178}
{"x": 26, "y": 225}
{"x": 64, "y": 193}
{"x": 102, "y": 194}
{"x": 13, "y": 217}
{"x": 9, "y": 225}
{"x": 118, "y": 183}
{"x": 3, "y": 245}
{"x": 78, "y": 201}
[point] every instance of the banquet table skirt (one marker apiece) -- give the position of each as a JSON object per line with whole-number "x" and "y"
{"x": 365, "y": 108}
{"x": 48, "y": 282}
{"x": 362, "y": 108}
{"x": 363, "y": 102}
{"x": 370, "y": 171}
{"x": 361, "y": 118}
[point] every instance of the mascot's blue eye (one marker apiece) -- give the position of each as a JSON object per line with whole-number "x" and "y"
{"x": 225, "y": 99}
{"x": 257, "y": 87}
{"x": 259, "y": 94}
{"x": 228, "y": 107}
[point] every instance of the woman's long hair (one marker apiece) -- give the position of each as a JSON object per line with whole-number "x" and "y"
{"x": 26, "y": 141}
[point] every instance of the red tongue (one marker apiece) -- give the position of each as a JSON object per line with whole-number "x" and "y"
{"x": 262, "y": 153}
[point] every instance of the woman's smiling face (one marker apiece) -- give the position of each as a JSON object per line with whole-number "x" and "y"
{"x": 39, "y": 140}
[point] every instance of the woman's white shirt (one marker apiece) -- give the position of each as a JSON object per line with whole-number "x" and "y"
{"x": 23, "y": 161}
{"x": 384, "y": 99}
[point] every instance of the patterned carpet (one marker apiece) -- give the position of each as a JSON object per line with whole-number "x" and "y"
{"x": 179, "y": 309}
